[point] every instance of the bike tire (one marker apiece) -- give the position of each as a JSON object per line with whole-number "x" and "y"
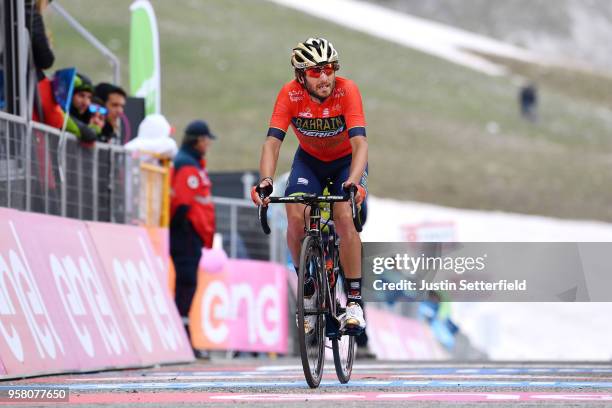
{"x": 312, "y": 345}
{"x": 343, "y": 347}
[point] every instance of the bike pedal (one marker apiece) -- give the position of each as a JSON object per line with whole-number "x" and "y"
{"x": 353, "y": 331}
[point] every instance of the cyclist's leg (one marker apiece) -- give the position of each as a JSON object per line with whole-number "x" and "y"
{"x": 302, "y": 180}
{"x": 350, "y": 247}
{"x": 340, "y": 176}
{"x": 350, "y": 243}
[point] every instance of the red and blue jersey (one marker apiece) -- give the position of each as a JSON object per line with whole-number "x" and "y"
{"x": 323, "y": 129}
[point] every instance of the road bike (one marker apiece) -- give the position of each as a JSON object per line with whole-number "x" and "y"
{"x": 320, "y": 260}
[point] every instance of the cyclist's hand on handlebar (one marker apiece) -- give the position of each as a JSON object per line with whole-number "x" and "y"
{"x": 360, "y": 194}
{"x": 261, "y": 192}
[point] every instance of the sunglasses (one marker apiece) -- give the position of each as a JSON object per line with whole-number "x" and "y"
{"x": 93, "y": 108}
{"x": 327, "y": 69}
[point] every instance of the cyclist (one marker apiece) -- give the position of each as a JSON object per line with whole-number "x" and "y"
{"x": 326, "y": 114}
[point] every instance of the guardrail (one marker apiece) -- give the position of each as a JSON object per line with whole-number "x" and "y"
{"x": 44, "y": 171}
{"x": 243, "y": 238}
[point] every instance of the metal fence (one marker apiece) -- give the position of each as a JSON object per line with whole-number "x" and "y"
{"x": 243, "y": 237}
{"x": 13, "y": 169}
{"x": 43, "y": 171}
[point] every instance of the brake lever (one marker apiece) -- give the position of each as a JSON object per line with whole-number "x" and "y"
{"x": 263, "y": 215}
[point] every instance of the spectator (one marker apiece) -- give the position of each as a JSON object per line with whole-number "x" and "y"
{"x": 81, "y": 98}
{"x": 192, "y": 222}
{"x": 97, "y": 114}
{"x": 528, "y": 99}
{"x": 41, "y": 49}
{"x": 114, "y": 98}
{"x": 86, "y": 121}
{"x": 45, "y": 108}
{"x": 48, "y": 111}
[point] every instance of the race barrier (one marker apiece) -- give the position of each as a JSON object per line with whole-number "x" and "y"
{"x": 393, "y": 337}
{"x": 240, "y": 305}
{"x": 82, "y": 296}
{"x": 142, "y": 290}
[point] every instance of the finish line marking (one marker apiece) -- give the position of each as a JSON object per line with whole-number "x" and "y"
{"x": 445, "y": 367}
{"x": 377, "y": 368}
{"x": 325, "y": 383}
{"x": 298, "y": 376}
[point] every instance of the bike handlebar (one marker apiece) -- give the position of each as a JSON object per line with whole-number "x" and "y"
{"x": 310, "y": 199}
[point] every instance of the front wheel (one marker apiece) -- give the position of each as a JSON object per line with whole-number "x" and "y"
{"x": 344, "y": 346}
{"x": 311, "y": 310}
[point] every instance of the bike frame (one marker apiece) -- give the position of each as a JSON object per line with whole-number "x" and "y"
{"x": 328, "y": 302}
{"x": 313, "y": 229}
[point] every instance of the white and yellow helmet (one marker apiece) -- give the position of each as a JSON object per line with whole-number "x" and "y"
{"x": 313, "y": 52}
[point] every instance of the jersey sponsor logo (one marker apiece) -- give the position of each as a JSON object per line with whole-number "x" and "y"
{"x": 193, "y": 182}
{"x": 307, "y": 113}
{"x": 295, "y": 96}
{"x": 325, "y": 112}
{"x": 320, "y": 127}
{"x": 338, "y": 93}
{"x": 302, "y": 180}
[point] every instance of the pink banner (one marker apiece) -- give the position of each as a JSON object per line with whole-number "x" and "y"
{"x": 393, "y": 337}
{"x": 78, "y": 290}
{"x": 67, "y": 322}
{"x": 134, "y": 272}
{"x": 160, "y": 242}
{"x": 31, "y": 341}
{"x": 242, "y": 307}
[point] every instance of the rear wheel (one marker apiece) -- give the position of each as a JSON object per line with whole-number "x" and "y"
{"x": 344, "y": 346}
{"x": 312, "y": 344}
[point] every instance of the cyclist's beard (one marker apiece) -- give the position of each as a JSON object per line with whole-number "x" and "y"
{"x": 312, "y": 90}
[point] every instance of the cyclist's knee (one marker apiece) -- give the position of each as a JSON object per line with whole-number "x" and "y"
{"x": 295, "y": 221}
{"x": 343, "y": 221}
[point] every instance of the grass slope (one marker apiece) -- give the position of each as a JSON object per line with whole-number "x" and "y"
{"x": 225, "y": 60}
